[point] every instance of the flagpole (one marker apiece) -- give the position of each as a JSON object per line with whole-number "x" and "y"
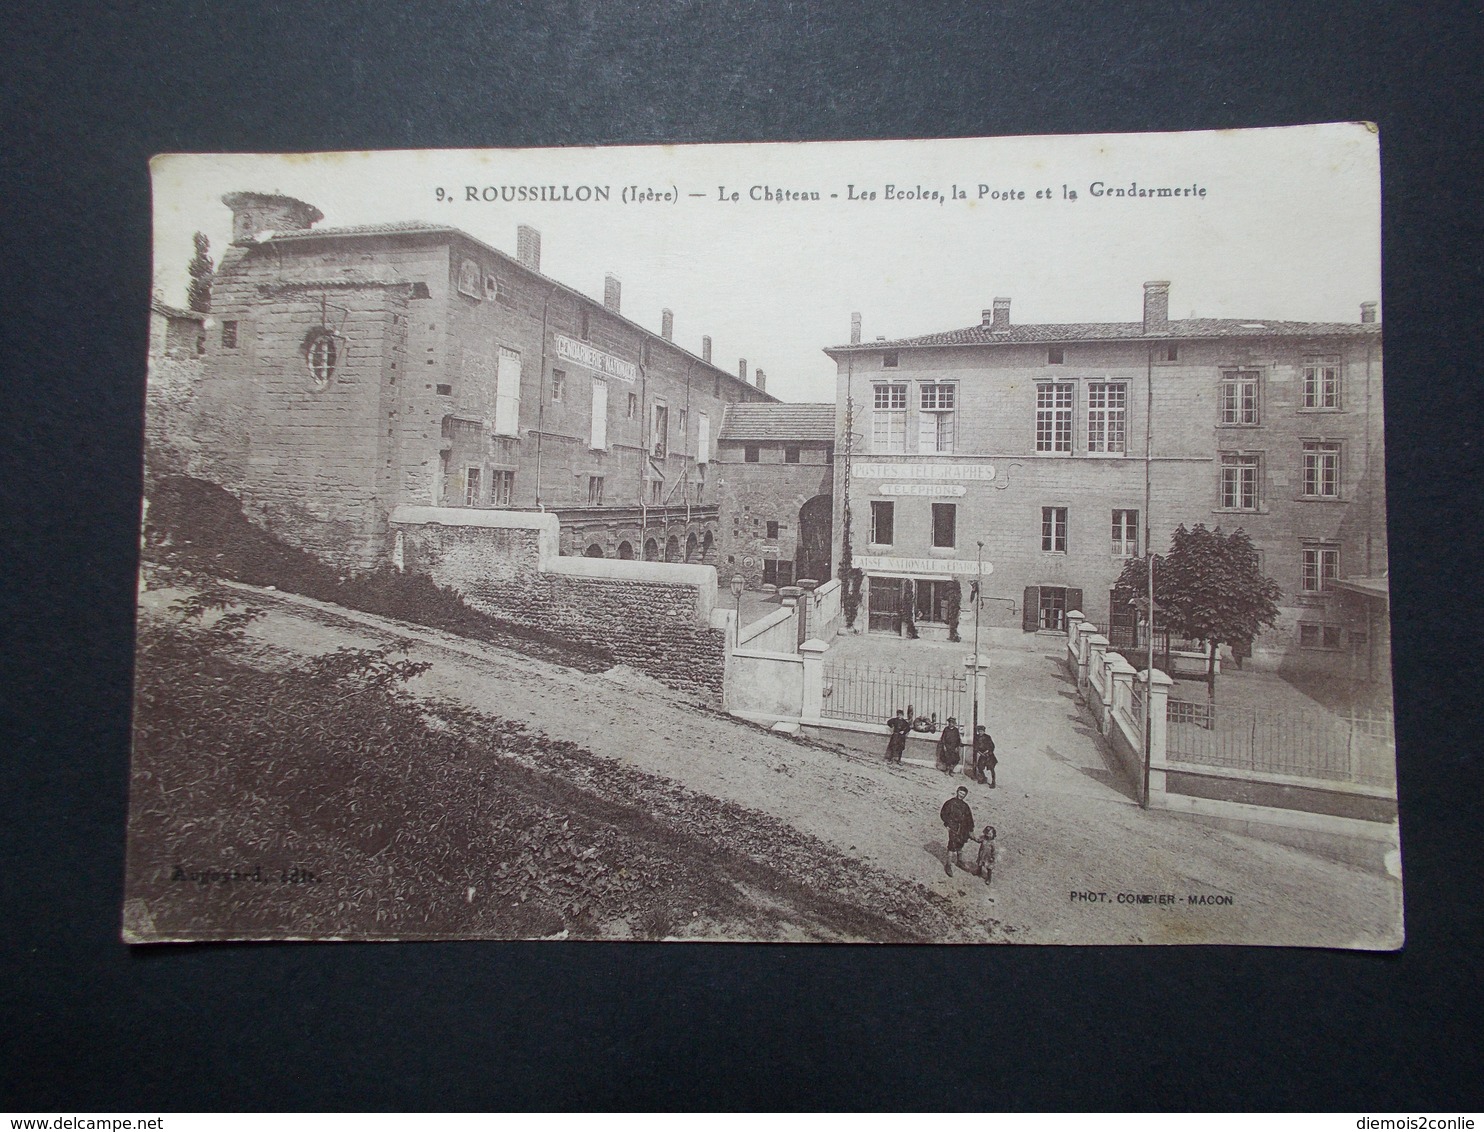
{"x": 978, "y": 600}
{"x": 1149, "y": 558}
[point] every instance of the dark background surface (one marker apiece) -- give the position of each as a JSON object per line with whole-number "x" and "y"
{"x": 87, "y": 97}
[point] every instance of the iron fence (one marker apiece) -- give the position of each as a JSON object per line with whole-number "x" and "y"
{"x": 1350, "y": 746}
{"x": 869, "y": 694}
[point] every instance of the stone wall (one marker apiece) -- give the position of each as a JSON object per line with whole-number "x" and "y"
{"x": 770, "y": 491}
{"x": 653, "y": 616}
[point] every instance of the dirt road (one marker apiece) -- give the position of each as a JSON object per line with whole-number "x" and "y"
{"x": 1066, "y": 826}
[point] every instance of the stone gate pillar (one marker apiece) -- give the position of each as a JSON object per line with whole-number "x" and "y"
{"x": 1158, "y": 687}
{"x": 813, "y": 653}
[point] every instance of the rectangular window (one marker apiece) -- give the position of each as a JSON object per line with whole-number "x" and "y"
{"x": 1171, "y": 353}
{"x": 772, "y": 528}
{"x": 1054, "y": 529}
{"x": 1238, "y": 482}
{"x": 890, "y": 360}
{"x": 945, "y": 524}
{"x": 1107, "y": 408}
{"x": 791, "y": 454}
{"x": 659, "y": 432}
{"x": 1322, "y": 469}
{"x": 656, "y": 492}
{"x": 598, "y": 431}
{"x": 1321, "y": 567}
{"x": 703, "y": 438}
{"x": 1055, "y": 356}
{"x": 632, "y": 410}
{"x": 1052, "y": 608}
{"x": 684, "y": 426}
{"x": 889, "y": 419}
{"x": 507, "y": 393}
{"x": 1319, "y": 636}
{"x": 595, "y": 490}
{"x": 1054, "y": 417}
{"x": 936, "y": 418}
{"x": 229, "y": 334}
{"x": 1125, "y": 534}
{"x": 1238, "y": 397}
{"x": 584, "y": 325}
{"x": 883, "y": 522}
{"x": 751, "y": 454}
{"x": 473, "y": 485}
{"x": 558, "y": 385}
{"x": 502, "y": 489}
{"x": 1321, "y": 382}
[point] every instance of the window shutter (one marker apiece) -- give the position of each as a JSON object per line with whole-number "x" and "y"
{"x": 600, "y": 414}
{"x": 1030, "y": 609}
{"x": 507, "y": 393}
{"x": 703, "y": 439}
{"x": 1074, "y": 601}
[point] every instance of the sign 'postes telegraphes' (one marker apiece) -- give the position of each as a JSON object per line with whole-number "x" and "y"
{"x": 925, "y": 471}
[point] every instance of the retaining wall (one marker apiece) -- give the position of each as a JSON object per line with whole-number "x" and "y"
{"x": 653, "y": 616}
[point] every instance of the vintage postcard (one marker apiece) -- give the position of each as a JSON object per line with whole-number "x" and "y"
{"x": 972, "y": 541}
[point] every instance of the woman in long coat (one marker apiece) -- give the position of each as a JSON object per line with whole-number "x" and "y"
{"x": 949, "y": 743}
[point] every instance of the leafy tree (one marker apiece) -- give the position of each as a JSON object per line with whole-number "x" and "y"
{"x": 202, "y": 271}
{"x": 1208, "y": 588}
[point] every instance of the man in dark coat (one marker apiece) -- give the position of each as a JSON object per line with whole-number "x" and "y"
{"x": 959, "y": 819}
{"x": 984, "y": 760}
{"x": 949, "y": 743}
{"x": 897, "y": 744}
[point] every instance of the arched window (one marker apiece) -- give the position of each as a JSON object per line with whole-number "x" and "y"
{"x": 626, "y": 550}
{"x": 708, "y": 548}
{"x": 690, "y": 548}
{"x": 322, "y": 353}
{"x": 651, "y": 550}
{"x": 672, "y": 549}
{"x": 594, "y": 551}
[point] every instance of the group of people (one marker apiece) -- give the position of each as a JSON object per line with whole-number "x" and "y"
{"x": 955, "y": 813}
{"x": 981, "y": 766}
{"x": 959, "y": 819}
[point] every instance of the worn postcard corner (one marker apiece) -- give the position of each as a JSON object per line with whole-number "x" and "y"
{"x": 972, "y": 541}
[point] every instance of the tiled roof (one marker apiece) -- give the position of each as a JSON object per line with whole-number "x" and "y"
{"x": 1119, "y": 331}
{"x": 398, "y": 228}
{"x": 779, "y": 422}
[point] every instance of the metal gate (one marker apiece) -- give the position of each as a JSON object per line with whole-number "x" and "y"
{"x": 868, "y": 694}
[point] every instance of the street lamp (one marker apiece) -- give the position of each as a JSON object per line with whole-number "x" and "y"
{"x": 739, "y": 583}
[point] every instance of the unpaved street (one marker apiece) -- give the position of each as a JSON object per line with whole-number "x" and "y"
{"x": 1065, "y": 822}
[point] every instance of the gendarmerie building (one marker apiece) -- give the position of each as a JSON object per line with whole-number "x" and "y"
{"x": 1030, "y": 438}
{"x": 352, "y": 370}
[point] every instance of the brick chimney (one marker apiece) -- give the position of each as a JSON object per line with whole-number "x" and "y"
{"x": 998, "y": 316}
{"x": 855, "y": 328}
{"x": 667, "y": 324}
{"x": 255, "y": 213}
{"x": 762, "y": 380}
{"x": 742, "y": 368}
{"x": 528, "y": 247}
{"x": 1156, "y": 306}
{"x": 612, "y": 292}
{"x": 1368, "y": 312}
{"x": 706, "y": 348}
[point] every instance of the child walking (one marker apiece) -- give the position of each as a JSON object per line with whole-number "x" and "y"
{"x": 984, "y": 866}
